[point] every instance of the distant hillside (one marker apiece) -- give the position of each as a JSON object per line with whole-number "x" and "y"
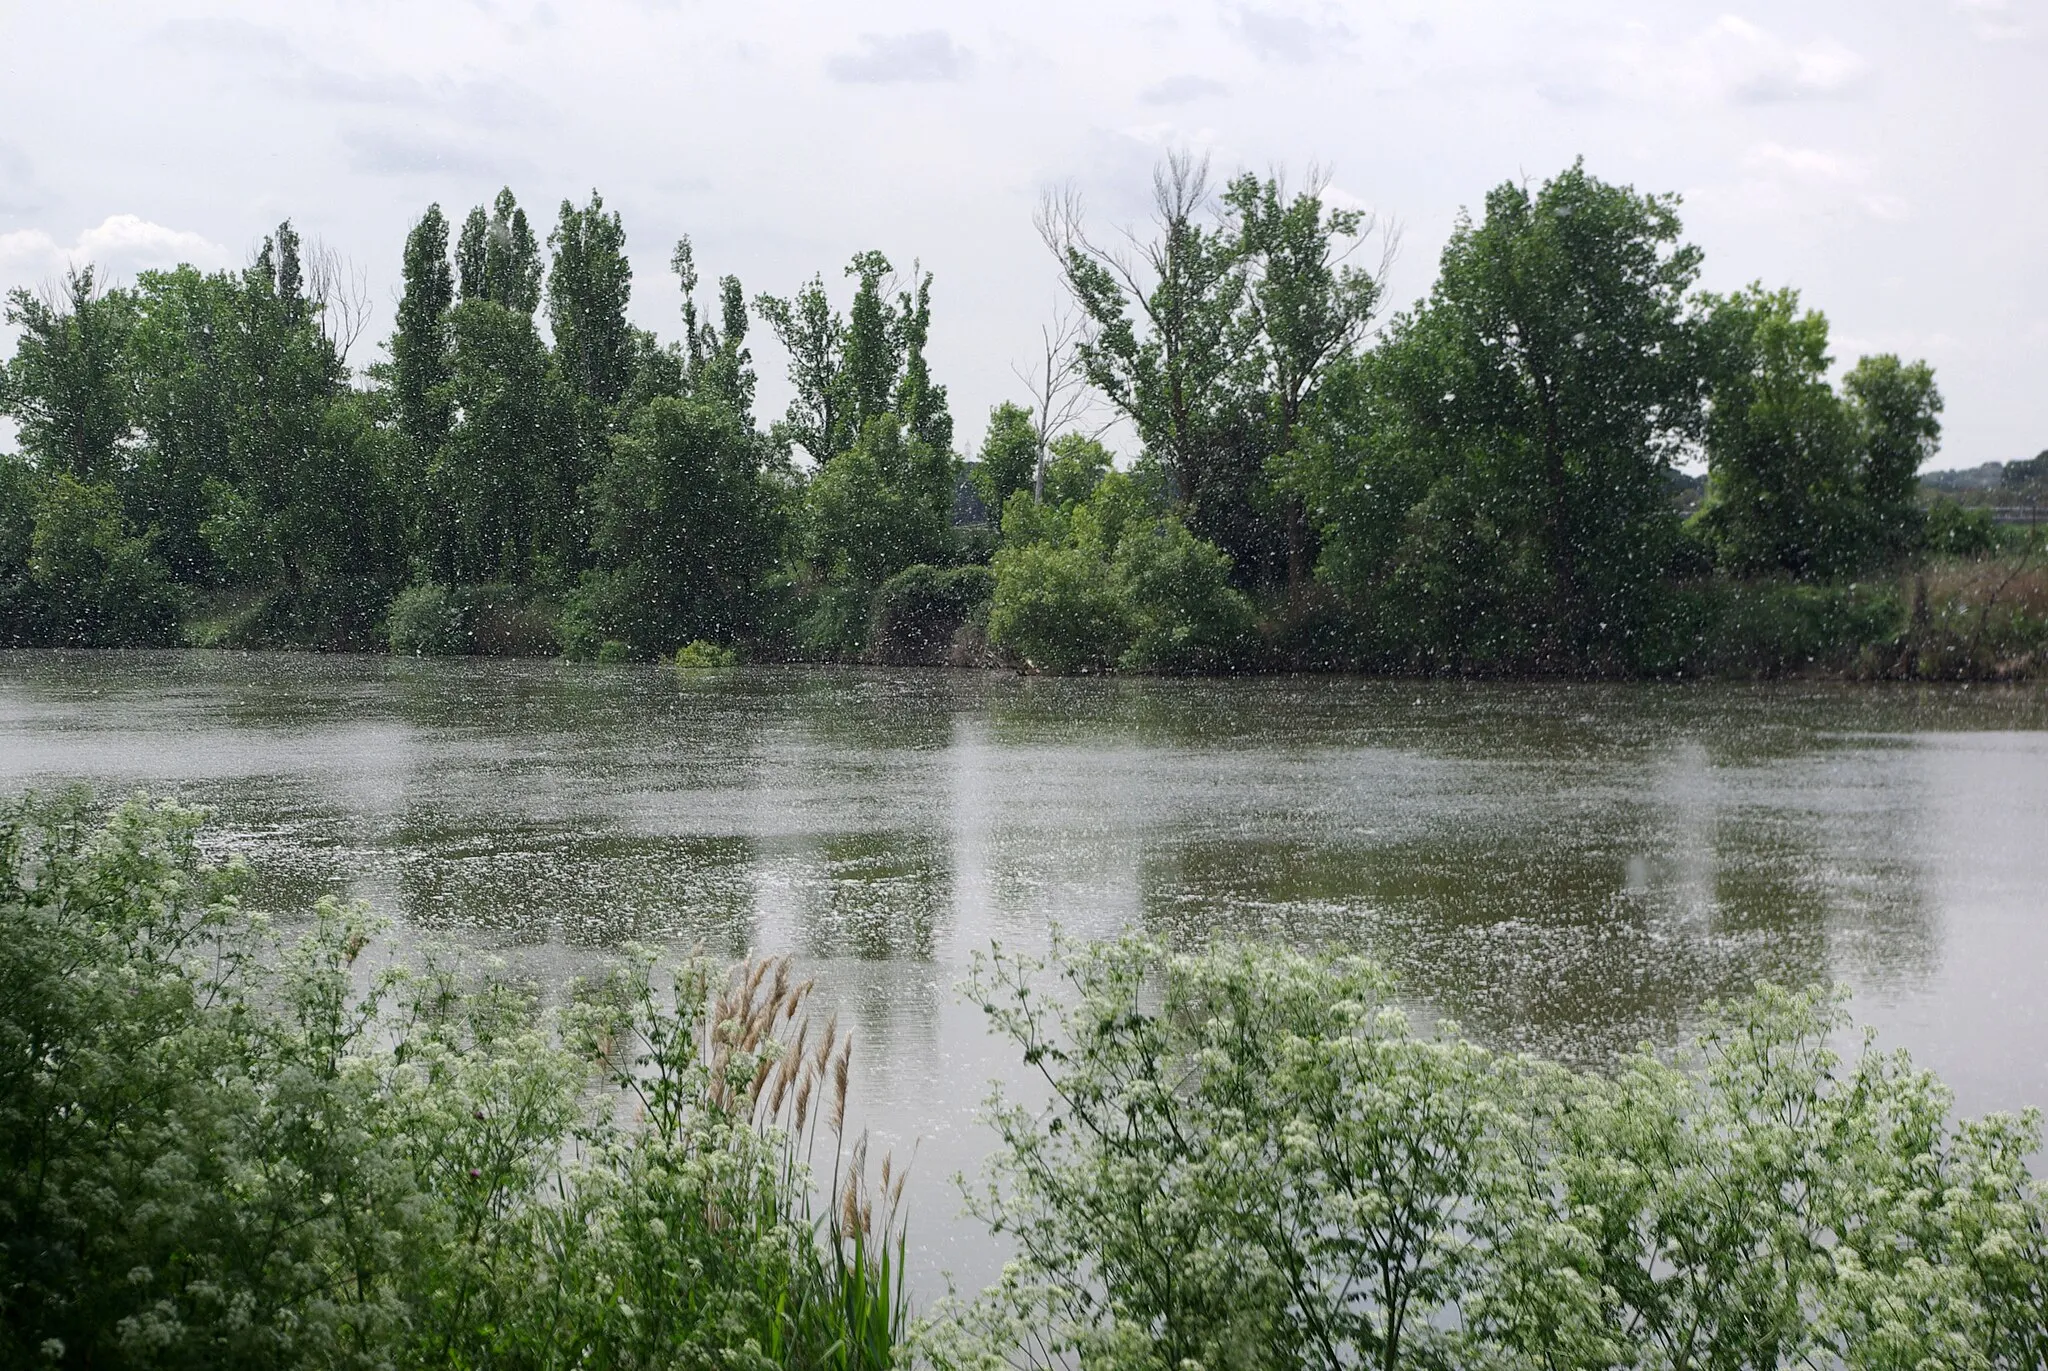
{"x": 2022, "y": 482}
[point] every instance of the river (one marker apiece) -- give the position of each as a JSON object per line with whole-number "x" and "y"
{"x": 1570, "y": 869}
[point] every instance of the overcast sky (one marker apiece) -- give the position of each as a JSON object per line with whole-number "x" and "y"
{"x": 1887, "y": 157}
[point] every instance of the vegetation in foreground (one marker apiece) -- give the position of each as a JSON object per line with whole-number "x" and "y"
{"x": 1486, "y": 483}
{"x": 1250, "y": 1161}
{"x": 227, "y": 1147}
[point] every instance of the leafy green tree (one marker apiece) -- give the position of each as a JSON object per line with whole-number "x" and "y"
{"x": 849, "y": 371}
{"x": 1506, "y": 449}
{"x": 919, "y": 402}
{"x": 21, "y": 608}
{"x": 1896, "y": 406}
{"x": 719, "y": 367}
{"x": 589, "y": 287}
{"x": 1168, "y": 345}
{"x": 1008, "y": 460}
{"x": 1075, "y": 467}
{"x": 67, "y": 386}
{"x": 883, "y": 505}
{"x": 1057, "y": 606}
{"x": 813, "y": 334}
{"x": 1307, "y": 309}
{"x": 185, "y": 356}
{"x": 687, "y": 525}
{"x": 506, "y": 480}
{"x": 1186, "y": 614}
{"x": 98, "y": 585}
{"x": 420, "y": 370}
{"x": 497, "y": 257}
{"x": 1782, "y": 448}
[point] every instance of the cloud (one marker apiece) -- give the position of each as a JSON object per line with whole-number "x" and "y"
{"x": 383, "y": 152}
{"x": 928, "y": 55}
{"x": 1280, "y": 36}
{"x": 1786, "y": 180}
{"x": 1178, "y": 90}
{"x": 1734, "y": 61}
{"x": 17, "y": 181}
{"x": 121, "y": 245}
{"x": 287, "y": 67}
{"x": 1992, "y": 20}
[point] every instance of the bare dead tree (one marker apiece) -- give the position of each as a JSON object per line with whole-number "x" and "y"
{"x": 342, "y": 291}
{"x": 1058, "y": 386}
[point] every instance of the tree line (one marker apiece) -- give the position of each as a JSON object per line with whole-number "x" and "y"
{"x": 1484, "y": 482}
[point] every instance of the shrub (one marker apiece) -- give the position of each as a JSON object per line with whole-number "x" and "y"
{"x": 700, "y": 655}
{"x": 1954, "y": 530}
{"x": 1187, "y": 615}
{"x": 98, "y": 586}
{"x": 1058, "y": 608}
{"x": 1248, "y": 1160}
{"x": 919, "y": 611}
{"x": 425, "y": 620}
{"x": 223, "y": 1148}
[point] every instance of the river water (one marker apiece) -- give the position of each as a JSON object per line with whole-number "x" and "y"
{"x": 1571, "y": 869}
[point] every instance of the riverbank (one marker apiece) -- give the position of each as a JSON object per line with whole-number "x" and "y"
{"x": 1954, "y": 619}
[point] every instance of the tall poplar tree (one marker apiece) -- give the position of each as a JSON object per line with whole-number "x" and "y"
{"x": 419, "y": 349}
{"x": 590, "y": 283}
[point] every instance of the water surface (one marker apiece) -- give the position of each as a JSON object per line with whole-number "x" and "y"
{"x": 1568, "y": 868}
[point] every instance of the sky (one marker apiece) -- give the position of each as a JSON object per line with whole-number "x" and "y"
{"x": 1889, "y": 158}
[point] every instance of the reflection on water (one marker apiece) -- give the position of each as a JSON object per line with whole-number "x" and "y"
{"x": 1572, "y": 869}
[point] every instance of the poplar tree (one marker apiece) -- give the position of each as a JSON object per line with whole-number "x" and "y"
{"x": 590, "y": 284}
{"x": 419, "y": 349}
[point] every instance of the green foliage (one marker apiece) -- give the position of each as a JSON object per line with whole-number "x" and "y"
{"x": 921, "y": 609}
{"x": 885, "y": 504}
{"x": 506, "y": 481}
{"x": 849, "y": 371}
{"x": 420, "y": 372}
{"x": 1802, "y": 480}
{"x": 687, "y": 524}
{"x": 1114, "y": 581}
{"x": 228, "y": 1148}
{"x": 1250, "y": 1160}
{"x": 20, "y": 602}
{"x": 1782, "y": 455}
{"x": 1058, "y": 608}
{"x": 1185, "y": 614}
{"x": 1952, "y": 530}
{"x": 1008, "y": 461}
{"x": 589, "y": 286}
{"x": 98, "y": 586}
{"x": 1895, "y": 405}
{"x": 497, "y": 257}
{"x": 700, "y": 656}
{"x": 1075, "y": 466}
{"x": 426, "y": 621}
{"x": 66, "y": 386}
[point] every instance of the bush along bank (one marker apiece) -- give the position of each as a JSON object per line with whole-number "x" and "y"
{"x": 1485, "y": 483}
{"x": 228, "y": 1145}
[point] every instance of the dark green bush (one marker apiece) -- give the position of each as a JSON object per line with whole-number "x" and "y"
{"x": 224, "y": 1148}
{"x": 1954, "y": 530}
{"x": 920, "y": 610}
{"x": 1058, "y": 608}
{"x": 93, "y": 585}
{"x": 1187, "y": 615}
{"x": 425, "y": 621}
